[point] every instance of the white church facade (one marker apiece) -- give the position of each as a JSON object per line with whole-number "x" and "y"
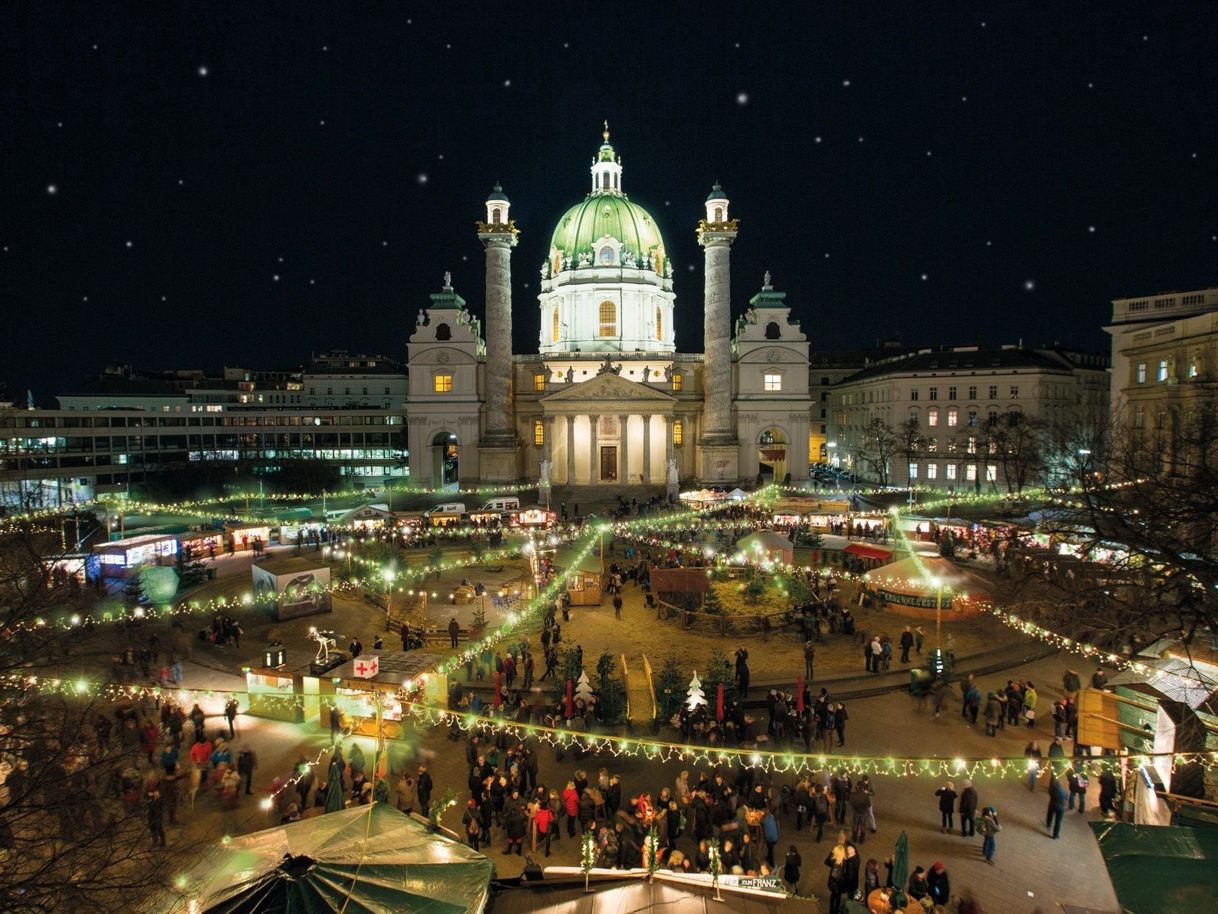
{"x": 607, "y": 400}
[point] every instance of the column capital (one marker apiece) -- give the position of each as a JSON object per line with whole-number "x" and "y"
{"x": 498, "y": 234}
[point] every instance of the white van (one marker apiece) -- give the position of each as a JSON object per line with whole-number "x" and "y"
{"x": 502, "y": 505}
{"x": 448, "y": 507}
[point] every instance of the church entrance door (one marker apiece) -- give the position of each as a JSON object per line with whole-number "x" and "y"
{"x": 608, "y": 463}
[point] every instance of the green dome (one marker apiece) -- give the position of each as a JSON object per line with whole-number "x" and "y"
{"x": 604, "y": 214}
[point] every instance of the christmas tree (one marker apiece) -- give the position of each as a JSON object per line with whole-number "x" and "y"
{"x": 711, "y": 603}
{"x": 695, "y": 698}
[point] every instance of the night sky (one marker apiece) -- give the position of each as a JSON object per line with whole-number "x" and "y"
{"x": 198, "y": 185}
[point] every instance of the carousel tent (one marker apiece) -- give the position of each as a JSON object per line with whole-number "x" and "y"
{"x": 916, "y": 574}
{"x": 768, "y": 543}
{"x": 360, "y": 860}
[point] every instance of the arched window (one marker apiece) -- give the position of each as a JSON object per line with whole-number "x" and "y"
{"x": 608, "y": 319}
{"x": 718, "y": 213}
{"x": 659, "y": 325}
{"x": 494, "y": 217}
{"x": 554, "y": 326}
{"x": 773, "y": 331}
{"x": 444, "y": 332}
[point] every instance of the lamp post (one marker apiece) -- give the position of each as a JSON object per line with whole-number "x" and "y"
{"x": 938, "y": 585}
{"x": 1083, "y": 453}
{"x": 388, "y": 575}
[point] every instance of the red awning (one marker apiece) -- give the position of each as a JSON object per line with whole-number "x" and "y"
{"x": 868, "y": 552}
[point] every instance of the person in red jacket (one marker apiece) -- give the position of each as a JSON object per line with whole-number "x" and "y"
{"x": 543, "y": 821}
{"x": 570, "y": 802}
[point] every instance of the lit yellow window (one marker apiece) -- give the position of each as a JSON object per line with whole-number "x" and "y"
{"x": 539, "y": 381}
{"x": 554, "y": 326}
{"x": 608, "y": 319}
{"x": 659, "y": 325}
{"x": 773, "y": 381}
{"x": 539, "y": 433}
{"x": 444, "y": 383}
{"x": 678, "y": 432}
{"x": 677, "y": 381}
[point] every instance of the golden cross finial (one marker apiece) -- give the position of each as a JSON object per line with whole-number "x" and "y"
{"x": 606, "y": 133}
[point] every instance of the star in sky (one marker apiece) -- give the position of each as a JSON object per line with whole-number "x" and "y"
{"x": 742, "y": 98}
{"x": 203, "y": 71}
{"x": 52, "y": 189}
{"x": 1029, "y": 285}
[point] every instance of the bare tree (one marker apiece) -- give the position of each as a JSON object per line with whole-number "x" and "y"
{"x": 1017, "y": 444}
{"x": 1143, "y": 518}
{"x": 74, "y": 815}
{"x": 879, "y": 444}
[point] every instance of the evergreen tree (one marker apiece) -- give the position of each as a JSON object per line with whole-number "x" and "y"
{"x": 668, "y": 685}
{"x": 610, "y": 691}
{"x": 133, "y": 590}
{"x": 719, "y": 670}
{"x": 711, "y": 602}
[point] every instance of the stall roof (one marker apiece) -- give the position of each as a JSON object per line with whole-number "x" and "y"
{"x": 395, "y": 666}
{"x": 768, "y": 539}
{"x": 917, "y": 568}
{"x": 565, "y": 560}
{"x": 291, "y": 564}
{"x": 635, "y": 895}
{"x": 1173, "y": 679}
{"x": 867, "y": 551}
{"x": 129, "y": 542}
{"x": 1159, "y": 869}
{"x": 366, "y": 858}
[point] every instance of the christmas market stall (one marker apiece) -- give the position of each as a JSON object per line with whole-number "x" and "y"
{"x": 584, "y": 575}
{"x": 390, "y": 677}
{"x": 292, "y": 586}
{"x": 366, "y": 858}
{"x": 920, "y": 585}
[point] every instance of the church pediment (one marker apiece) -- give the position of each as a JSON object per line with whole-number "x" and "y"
{"x": 605, "y": 387}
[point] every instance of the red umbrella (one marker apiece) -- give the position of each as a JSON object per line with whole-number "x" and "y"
{"x": 498, "y": 693}
{"x": 569, "y": 705}
{"x": 719, "y": 702}
{"x": 799, "y": 695}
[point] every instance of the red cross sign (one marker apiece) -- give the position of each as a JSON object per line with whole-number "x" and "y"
{"x": 367, "y": 667}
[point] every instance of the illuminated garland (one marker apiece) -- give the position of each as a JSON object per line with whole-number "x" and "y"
{"x": 776, "y": 761}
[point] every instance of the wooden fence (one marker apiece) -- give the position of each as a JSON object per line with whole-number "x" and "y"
{"x": 723, "y": 623}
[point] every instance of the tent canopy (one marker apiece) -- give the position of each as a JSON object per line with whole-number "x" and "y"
{"x": 1159, "y": 869}
{"x": 914, "y": 575}
{"x": 361, "y": 860}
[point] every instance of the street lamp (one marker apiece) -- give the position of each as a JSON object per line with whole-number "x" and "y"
{"x": 937, "y": 583}
{"x": 388, "y": 575}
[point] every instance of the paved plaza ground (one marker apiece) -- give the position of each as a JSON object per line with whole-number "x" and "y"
{"x": 1032, "y": 872}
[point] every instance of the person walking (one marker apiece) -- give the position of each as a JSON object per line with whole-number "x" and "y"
{"x": 543, "y": 821}
{"x": 1057, "y": 806}
{"x": 246, "y": 763}
{"x": 230, "y": 714}
{"x": 820, "y": 810}
{"x": 988, "y": 827}
{"x": 968, "y": 810}
{"x": 809, "y": 660}
{"x": 473, "y": 825}
{"x": 156, "y": 816}
{"x": 454, "y": 631}
{"x": 1078, "y": 783}
{"x": 839, "y": 723}
{"x": 919, "y": 637}
{"x": 840, "y": 861}
{"x": 1033, "y": 755}
{"x": 1030, "y": 699}
{"x": 947, "y": 805}
{"x": 617, "y": 606}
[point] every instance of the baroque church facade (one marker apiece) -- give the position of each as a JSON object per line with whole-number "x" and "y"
{"x": 607, "y": 400}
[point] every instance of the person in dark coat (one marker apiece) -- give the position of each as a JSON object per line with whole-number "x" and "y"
{"x": 1057, "y": 805}
{"x": 423, "y": 787}
{"x": 968, "y": 810}
{"x": 938, "y": 885}
{"x": 514, "y": 825}
{"x": 790, "y": 869}
{"x": 1108, "y": 792}
{"x": 947, "y": 805}
{"x": 156, "y": 817}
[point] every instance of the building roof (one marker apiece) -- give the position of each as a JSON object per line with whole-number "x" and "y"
{"x": 607, "y": 214}
{"x": 947, "y": 360}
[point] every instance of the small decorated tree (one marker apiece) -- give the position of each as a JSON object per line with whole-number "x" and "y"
{"x": 711, "y": 602}
{"x": 587, "y": 856}
{"x": 651, "y": 851}
{"x": 715, "y": 865}
{"x": 720, "y": 671}
{"x": 695, "y": 698}
{"x": 583, "y": 688}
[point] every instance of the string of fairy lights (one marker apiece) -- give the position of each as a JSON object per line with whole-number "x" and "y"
{"x": 776, "y": 760}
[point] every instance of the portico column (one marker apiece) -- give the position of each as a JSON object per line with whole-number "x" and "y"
{"x": 570, "y": 450}
{"x": 623, "y": 477}
{"x": 646, "y": 449}
{"x": 668, "y": 420}
{"x": 547, "y": 448}
{"x": 594, "y": 470}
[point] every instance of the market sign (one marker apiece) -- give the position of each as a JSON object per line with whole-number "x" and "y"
{"x": 367, "y": 667}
